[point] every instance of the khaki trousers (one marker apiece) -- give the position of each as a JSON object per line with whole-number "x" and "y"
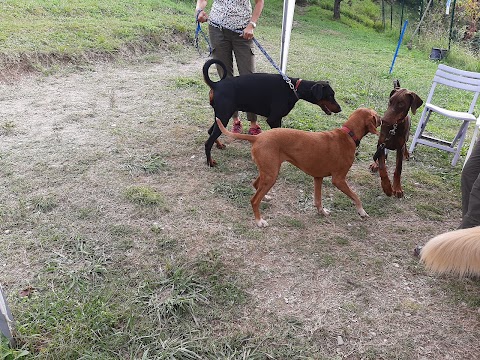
{"x": 226, "y": 43}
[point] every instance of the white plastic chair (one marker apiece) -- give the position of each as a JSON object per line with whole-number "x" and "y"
{"x": 450, "y": 79}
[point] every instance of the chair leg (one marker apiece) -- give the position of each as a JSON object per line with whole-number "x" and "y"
{"x": 456, "y": 156}
{"x": 421, "y": 126}
{"x": 462, "y": 134}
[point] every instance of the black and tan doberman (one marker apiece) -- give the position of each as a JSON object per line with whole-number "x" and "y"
{"x": 268, "y": 95}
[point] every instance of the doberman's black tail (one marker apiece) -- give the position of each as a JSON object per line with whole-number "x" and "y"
{"x": 207, "y": 66}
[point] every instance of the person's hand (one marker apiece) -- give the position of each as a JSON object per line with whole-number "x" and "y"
{"x": 247, "y": 33}
{"x": 201, "y": 16}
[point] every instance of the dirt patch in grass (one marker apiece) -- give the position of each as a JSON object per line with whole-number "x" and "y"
{"x": 73, "y": 144}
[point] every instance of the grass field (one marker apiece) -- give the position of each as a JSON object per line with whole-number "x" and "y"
{"x": 117, "y": 241}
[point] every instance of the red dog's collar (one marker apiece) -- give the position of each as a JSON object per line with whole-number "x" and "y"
{"x": 352, "y": 135}
{"x": 297, "y": 84}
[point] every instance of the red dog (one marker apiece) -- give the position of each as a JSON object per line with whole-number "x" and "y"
{"x": 319, "y": 154}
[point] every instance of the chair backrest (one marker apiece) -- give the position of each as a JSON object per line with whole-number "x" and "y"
{"x": 459, "y": 79}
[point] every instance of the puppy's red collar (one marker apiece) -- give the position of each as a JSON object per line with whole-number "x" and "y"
{"x": 352, "y": 135}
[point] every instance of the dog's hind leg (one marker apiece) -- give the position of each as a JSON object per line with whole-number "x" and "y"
{"x": 217, "y": 142}
{"x": 263, "y": 184}
{"x": 341, "y": 184}
{"x": 255, "y": 185}
{"x": 215, "y": 133}
{"x": 318, "y": 181}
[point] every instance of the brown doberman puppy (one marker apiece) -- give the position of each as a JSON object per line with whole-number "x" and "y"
{"x": 394, "y": 134}
{"x": 319, "y": 154}
{"x": 267, "y": 95}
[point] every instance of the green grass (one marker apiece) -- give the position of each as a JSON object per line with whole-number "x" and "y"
{"x": 8, "y": 353}
{"x": 44, "y": 203}
{"x": 151, "y": 164}
{"x": 74, "y": 28}
{"x": 40, "y": 34}
{"x": 239, "y": 193}
{"x": 160, "y": 316}
{"x": 144, "y": 195}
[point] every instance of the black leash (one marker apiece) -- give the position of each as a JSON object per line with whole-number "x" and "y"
{"x": 381, "y": 147}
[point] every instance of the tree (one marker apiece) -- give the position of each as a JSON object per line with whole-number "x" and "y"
{"x": 336, "y": 9}
{"x": 472, "y": 13}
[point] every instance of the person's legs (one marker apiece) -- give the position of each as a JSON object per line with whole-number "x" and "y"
{"x": 470, "y": 185}
{"x": 245, "y": 58}
{"x": 244, "y": 55}
{"x": 222, "y": 49}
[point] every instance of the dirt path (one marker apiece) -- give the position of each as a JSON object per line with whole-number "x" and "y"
{"x": 75, "y": 142}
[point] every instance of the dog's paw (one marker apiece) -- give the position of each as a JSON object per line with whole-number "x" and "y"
{"x": 362, "y": 213}
{"x": 212, "y": 163}
{"x": 398, "y": 193}
{"x": 387, "y": 188}
{"x": 267, "y": 198}
{"x": 373, "y": 167}
{"x": 261, "y": 223}
{"x": 324, "y": 212}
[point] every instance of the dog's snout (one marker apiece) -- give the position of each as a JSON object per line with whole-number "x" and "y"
{"x": 329, "y": 106}
{"x": 387, "y": 120}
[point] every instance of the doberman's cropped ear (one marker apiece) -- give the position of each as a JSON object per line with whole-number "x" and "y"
{"x": 317, "y": 90}
{"x": 416, "y": 102}
{"x": 396, "y": 86}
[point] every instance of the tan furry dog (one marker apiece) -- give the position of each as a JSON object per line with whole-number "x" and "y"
{"x": 318, "y": 154}
{"x": 455, "y": 252}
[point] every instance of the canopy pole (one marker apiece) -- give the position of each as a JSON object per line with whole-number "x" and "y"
{"x": 287, "y": 23}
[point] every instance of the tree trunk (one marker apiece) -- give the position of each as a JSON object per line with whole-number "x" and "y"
{"x": 336, "y": 9}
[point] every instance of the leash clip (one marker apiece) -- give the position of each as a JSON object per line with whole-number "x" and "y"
{"x": 289, "y": 82}
{"x": 292, "y": 87}
{"x": 394, "y": 130}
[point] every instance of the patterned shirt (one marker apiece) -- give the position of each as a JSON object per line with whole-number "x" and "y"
{"x": 231, "y": 14}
